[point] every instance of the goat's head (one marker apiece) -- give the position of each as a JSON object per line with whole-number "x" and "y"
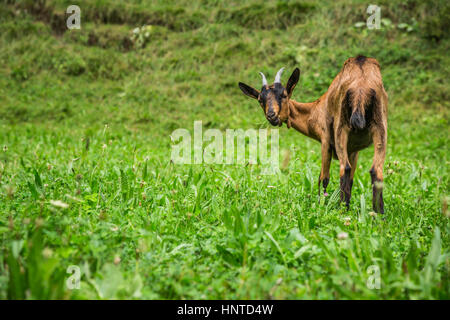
{"x": 274, "y": 99}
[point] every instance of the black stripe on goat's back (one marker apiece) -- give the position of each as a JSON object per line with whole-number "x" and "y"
{"x": 360, "y": 60}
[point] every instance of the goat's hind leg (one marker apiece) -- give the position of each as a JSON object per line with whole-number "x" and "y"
{"x": 353, "y": 159}
{"x": 379, "y": 136}
{"x": 341, "y": 139}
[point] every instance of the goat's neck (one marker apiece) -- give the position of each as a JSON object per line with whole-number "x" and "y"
{"x": 302, "y": 118}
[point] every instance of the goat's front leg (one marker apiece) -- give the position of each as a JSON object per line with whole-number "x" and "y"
{"x": 379, "y": 136}
{"x": 341, "y": 140}
{"x": 324, "y": 177}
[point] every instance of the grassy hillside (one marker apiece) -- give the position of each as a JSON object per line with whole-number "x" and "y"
{"x": 85, "y": 173}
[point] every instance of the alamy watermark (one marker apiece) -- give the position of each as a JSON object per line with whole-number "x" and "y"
{"x": 374, "y": 20}
{"x": 218, "y": 151}
{"x": 74, "y": 20}
{"x": 73, "y": 281}
{"x": 374, "y": 280}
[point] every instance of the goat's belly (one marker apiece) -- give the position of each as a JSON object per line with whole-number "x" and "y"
{"x": 358, "y": 140}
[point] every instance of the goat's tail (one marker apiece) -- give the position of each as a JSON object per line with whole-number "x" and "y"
{"x": 359, "y": 104}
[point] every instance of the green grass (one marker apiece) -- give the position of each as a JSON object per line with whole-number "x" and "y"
{"x": 86, "y": 118}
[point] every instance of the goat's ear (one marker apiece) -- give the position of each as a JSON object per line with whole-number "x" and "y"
{"x": 249, "y": 91}
{"x": 292, "y": 82}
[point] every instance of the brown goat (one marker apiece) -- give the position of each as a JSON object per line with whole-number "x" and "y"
{"x": 346, "y": 119}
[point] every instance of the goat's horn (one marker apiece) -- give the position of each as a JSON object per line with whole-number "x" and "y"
{"x": 264, "y": 80}
{"x": 278, "y": 76}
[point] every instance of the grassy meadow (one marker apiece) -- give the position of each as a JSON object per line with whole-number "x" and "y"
{"x": 86, "y": 180}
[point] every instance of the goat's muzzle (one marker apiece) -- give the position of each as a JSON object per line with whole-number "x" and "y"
{"x": 273, "y": 118}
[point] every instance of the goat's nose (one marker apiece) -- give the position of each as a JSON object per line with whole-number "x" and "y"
{"x": 271, "y": 114}
{"x": 272, "y": 117}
